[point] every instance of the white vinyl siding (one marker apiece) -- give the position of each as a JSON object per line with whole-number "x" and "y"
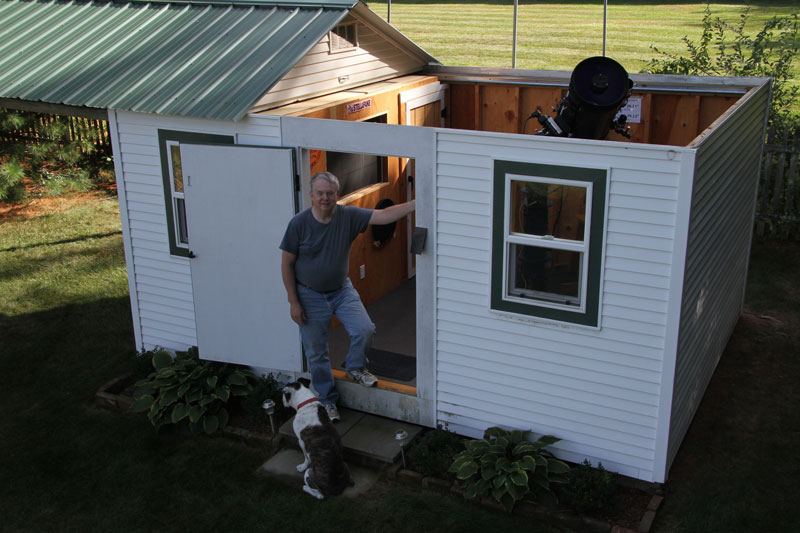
{"x": 319, "y": 72}
{"x": 599, "y": 390}
{"x": 161, "y": 283}
{"x": 721, "y": 225}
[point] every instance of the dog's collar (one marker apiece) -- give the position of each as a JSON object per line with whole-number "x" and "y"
{"x": 310, "y": 400}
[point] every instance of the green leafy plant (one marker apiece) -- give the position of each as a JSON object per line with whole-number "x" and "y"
{"x": 590, "y": 489}
{"x": 727, "y": 49}
{"x": 186, "y": 389}
{"x": 266, "y": 387}
{"x": 11, "y": 187}
{"x": 435, "y": 451}
{"x": 508, "y": 466}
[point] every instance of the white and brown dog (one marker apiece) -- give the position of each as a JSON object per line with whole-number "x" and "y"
{"x": 325, "y": 471}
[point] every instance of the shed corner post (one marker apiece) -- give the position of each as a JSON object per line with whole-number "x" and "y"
{"x": 119, "y": 175}
{"x": 663, "y": 441}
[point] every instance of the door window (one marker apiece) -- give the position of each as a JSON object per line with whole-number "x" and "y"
{"x": 169, "y": 143}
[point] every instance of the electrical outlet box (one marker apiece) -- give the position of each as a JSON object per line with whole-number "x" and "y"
{"x": 362, "y": 271}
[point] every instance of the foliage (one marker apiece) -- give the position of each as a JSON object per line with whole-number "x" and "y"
{"x": 590, "y": 489}
{"x": 187, "y": 389}
{"x": 55, "y": 162}
{"x": 11, "y": 187}
{"x": 727, "y": 50}
{"x": 266, "y": 387}
{"x": 507, "y": 466}
{"x": 142, "y": 364}
{"x": 434, "y": 452}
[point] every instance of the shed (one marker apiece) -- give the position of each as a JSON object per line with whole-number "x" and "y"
{"x": 603, "y": 329}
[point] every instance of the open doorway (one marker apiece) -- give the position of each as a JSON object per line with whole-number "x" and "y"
{"x": 379, "y": 265}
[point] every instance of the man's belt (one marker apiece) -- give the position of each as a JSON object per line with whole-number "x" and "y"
{"x": 315, "y": 290}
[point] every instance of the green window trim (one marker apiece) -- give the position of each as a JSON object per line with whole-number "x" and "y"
{"x": 596, "y": 184}
{"x": 165, "y": 139}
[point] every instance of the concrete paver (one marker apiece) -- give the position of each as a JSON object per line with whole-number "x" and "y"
{"x": 366, "y": 435}
{"x": 283, "y": 465}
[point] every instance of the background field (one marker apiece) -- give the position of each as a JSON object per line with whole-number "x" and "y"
{"x": 558, "y": 35}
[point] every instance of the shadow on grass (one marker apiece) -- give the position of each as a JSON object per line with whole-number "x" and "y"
{"x": 63, "y": 241}
{"x": 738, "y": 464}
{"x": 67, "y": 465}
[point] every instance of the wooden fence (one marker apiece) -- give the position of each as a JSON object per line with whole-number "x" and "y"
{"x": 777, "y": 209}
{"x": 79, "y": 128}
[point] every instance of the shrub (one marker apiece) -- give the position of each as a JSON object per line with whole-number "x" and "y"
{"x": 142, "y": 364}
{"x": 727, "y": 50}
{"x": 188, "y": 390}
{"x": 590, "y": 489}
{"x": 434, "y": 452}
{"x": 11, "y": 187}
{"x": 48, "y": 156}
{"x": 266, "y": 387}
{"x": 507, "y": 466}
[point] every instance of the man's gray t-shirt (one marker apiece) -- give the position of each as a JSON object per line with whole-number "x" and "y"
{"x": 323, "y": 250}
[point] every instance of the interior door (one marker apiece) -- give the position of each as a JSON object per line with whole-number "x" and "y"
{"x": 238, "y": 202}
{"x": 424, "y": 106}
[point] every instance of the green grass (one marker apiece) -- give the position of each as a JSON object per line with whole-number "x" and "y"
{"x": 65, "y": 329}
{"x": 737, "y": 469}
{"x": 556, "y": 36}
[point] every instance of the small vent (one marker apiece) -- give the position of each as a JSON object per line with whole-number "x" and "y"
{"x": 344, "y": 37}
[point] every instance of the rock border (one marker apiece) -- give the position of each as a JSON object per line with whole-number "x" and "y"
{"x": 560, "y": 517}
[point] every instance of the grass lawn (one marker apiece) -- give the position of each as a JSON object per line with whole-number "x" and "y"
{"x": 65, "y": 329}
{"x": 65, "y": 326}
{"x": 557, "y": 35}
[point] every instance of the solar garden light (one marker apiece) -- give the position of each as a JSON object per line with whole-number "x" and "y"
{"x": 400, "y": 436}
{"x": 269, "y": 407}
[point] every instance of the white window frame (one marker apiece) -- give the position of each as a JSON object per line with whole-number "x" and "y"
{"x": 176, "y": 195}
{"x": 542, "y": 299}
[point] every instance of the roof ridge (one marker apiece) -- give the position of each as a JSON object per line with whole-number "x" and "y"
{"x": 296, "y": 3}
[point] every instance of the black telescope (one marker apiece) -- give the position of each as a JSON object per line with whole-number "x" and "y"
{"x": 598, "y": 89}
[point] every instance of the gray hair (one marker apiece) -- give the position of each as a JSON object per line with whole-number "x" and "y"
{"x": 325, "y": 176}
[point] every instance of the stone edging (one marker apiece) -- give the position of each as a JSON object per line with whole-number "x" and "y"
{"x": 531, "y": 509}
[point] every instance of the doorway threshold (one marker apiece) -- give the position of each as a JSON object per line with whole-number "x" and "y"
{"x": 382, "y": 384}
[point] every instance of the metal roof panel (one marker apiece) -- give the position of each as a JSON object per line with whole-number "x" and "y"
{"x": 210, "y": 59}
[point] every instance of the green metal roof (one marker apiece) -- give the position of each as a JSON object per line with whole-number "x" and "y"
{"x": 199, "y": 59}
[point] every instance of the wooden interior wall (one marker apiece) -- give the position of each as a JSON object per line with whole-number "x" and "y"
{"x": 673, "y": 119}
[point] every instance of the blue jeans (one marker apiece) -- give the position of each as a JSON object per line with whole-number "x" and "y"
{"x": 319, "y": 309}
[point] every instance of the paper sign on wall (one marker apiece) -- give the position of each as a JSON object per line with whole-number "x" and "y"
{"x": 359, "y": 106}
{"x": 632, "y": 110}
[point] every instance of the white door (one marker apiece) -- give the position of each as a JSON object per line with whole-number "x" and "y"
{"x": 238, "y": 202}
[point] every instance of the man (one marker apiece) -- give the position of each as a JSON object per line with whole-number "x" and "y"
{"x": 314, "y": 265}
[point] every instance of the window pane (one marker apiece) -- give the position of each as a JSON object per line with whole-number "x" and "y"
{"x": 177, "y": 170}
{"x": 548, "y": 209}
{"x": 544, "y": 274}
{"x": 180, "y": 214}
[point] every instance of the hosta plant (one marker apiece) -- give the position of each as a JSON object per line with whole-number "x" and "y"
{"x": 186, "y": 389}
{"x": 508, "y": 467}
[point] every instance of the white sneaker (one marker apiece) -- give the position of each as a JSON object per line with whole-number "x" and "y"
{"x": 363, "y": 376}
{"x": 333, "y": 412}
